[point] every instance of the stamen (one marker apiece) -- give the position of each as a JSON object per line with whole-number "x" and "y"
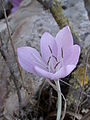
{"x": 56, "y": 65}
{"x": 62, "y": 52}
{"x": 51, "y": 53}
{"x": 55, "y": 58}
{"x": 50, "y": 49}
{"x": 48, "y": 60}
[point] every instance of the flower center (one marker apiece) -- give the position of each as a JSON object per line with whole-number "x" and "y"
{"x": 53, "y": 63}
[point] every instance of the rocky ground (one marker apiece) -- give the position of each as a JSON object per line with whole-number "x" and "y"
{"x": 26, "y": 27}
{"x": 87, "y": 5}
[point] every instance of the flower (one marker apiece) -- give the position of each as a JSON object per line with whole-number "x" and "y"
{"x": 15, "y": 4}
{"x": 58, "y": 59}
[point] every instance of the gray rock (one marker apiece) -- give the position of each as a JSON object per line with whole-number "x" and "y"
{"x": 87, "y": 41}
{"x": 26, "y": 3}
{"x": 78, "y": 17}
{"x": 87, "y": 5}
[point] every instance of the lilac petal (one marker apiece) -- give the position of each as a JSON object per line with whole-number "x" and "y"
{"x": 16, "y": 2}
{"x": 64, "y": 71}
{"x": 71, "y": 56}
{"x": 43, "y": 73}
{"x": 28, "y": 58}
{"x": 47, "y": 45}
{"x": 64, "y": 40}
{"x": 13, "y": 10}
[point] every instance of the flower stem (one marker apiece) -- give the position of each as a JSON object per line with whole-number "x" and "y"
{"x": 59, "y": 102}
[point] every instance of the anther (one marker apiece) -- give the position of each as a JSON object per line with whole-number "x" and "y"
{"x": 50, "y": 49}
{"x": 62, "y": 52}
{"x": 56, "y": 65}
{"x": 48, "y": 60}
{"x": 55, "y": 58}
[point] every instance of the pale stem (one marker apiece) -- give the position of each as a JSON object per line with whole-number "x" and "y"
{"x": 59, "y": 102}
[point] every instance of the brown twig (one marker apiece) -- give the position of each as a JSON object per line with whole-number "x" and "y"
{"x": 4, "y": 54}
{"x": 11, "y": 41}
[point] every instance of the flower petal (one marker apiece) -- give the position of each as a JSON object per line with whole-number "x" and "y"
{"x": 64, "y": 71}
{"x": 48, "y": 46}
{"x": 71, "y": 56}
{"x": 29, "y": 57}
{"x": 14, "y": 9}
{"x": 16, "y": 2}
{"x": 43, "y": 73}
{"x": 64, "y": 40}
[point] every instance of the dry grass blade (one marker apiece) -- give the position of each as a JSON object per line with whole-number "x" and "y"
{"x": 11, "y": 41}
{"x": 4, "y": 54}
{"x": 65, "y": 105}
{"x": 77, "y": 116}
{"x": 82, "y": 90}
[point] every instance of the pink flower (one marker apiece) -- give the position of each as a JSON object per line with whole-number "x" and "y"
{"x": 58, "y": 59}
{"x": 15, "y": 4}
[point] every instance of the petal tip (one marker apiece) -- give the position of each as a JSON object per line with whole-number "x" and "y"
{"x": 67, "y": 28}
{"x": 46, "y": 33}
